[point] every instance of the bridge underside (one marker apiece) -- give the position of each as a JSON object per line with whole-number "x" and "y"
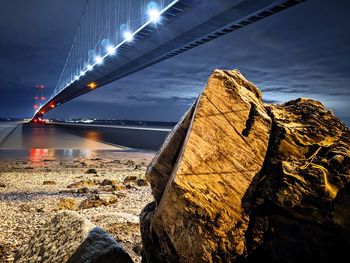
{"x": 185, "y": 25}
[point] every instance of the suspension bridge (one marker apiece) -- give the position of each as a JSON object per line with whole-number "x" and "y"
{"x": 118, "y": 37}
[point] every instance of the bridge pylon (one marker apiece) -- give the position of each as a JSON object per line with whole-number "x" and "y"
{"x": 39, "y": 101}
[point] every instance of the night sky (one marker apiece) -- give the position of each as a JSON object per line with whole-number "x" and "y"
{"x": 301, "y": 52}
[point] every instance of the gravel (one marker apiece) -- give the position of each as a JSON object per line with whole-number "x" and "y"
{"x": 34, "y": 191}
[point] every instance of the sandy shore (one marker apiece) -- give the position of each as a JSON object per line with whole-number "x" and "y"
{"x": 108, "y": 190}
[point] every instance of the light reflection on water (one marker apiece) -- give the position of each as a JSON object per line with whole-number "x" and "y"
{"x": 37, "y": 156}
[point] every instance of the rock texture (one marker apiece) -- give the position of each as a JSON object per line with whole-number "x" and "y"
{"x": 70, "y": 238}
{"x": 237, "y": 180}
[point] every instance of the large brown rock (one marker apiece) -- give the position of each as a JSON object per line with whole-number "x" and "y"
{"x": 237, "y": 180}
{"x": 301, "y": 206}
{"x": 200, "y": 215}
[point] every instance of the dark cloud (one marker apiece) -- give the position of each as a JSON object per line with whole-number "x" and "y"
{"x": 301, "y": 52}
{"x": 163, "y": 100}
{"x": 270, "y": 101}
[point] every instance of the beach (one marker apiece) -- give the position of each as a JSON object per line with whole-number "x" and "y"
{"x": 106, "y": 187}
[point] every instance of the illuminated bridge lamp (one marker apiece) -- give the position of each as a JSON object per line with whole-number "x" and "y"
{"x": 98, "y": 60}
{"x": 52, "y": 106}
{"x": 128, "y": 36}
{"x": 153, "y": 13}
{"x": 111, "y": 50}
{"x": 92, "y": 85}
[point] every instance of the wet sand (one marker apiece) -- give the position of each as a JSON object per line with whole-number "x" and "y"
{"x": 34, "y": 188}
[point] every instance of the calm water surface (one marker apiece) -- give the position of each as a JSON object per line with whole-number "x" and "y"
{"x": 36, "y": 142}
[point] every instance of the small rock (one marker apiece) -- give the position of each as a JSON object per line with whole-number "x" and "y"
{"x": 141, "y": 182}
{"x": 98, "y": 200}
{"x": 2, "y": 185}
{"x": 91, "y": 171}
{"x": 82, "y": 183}
{"x": 67, "y": 203}
{"x": 67, "y": 191}
{"x": 119, "y": 194}
{"x": 108, "y": 182}
{"x": 83, "y": 190}
{"x": 129, "y": 163}
{"x": 119, "y": 187}
{"x": 129, "y": 179}
{"x": 138, "y": 167}
{"x": 49, "y": 183}
{"x": 137, "y": 248}
{"x": 40, "y": 209}
{"x": 130, "y": 187}
{"x": 106, "y": 188}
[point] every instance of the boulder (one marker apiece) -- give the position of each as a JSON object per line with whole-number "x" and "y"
{"x": 301, "y": 206}
{"x": 238, "y": 180}
{"x": 205, "y": 169}
{"x": 70, "y": 238}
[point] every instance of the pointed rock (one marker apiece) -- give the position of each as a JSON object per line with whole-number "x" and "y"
{"x": 203, "y": 171}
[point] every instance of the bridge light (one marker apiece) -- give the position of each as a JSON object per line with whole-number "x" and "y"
{"x": 52, "y": 106}
{"x": 154, "y": 15}
{"x": 98, "y": 60}
{"x": 111, "y": 50}
{"x": 128, "y": 36}
{"x": 92, "y": 85}
{"x": 76, "y": 77}
{"x": 82, "y": 73}
{"x": 89, "y": 67}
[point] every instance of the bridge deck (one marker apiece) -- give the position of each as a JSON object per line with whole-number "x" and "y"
{"x": 185, "y": 25}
